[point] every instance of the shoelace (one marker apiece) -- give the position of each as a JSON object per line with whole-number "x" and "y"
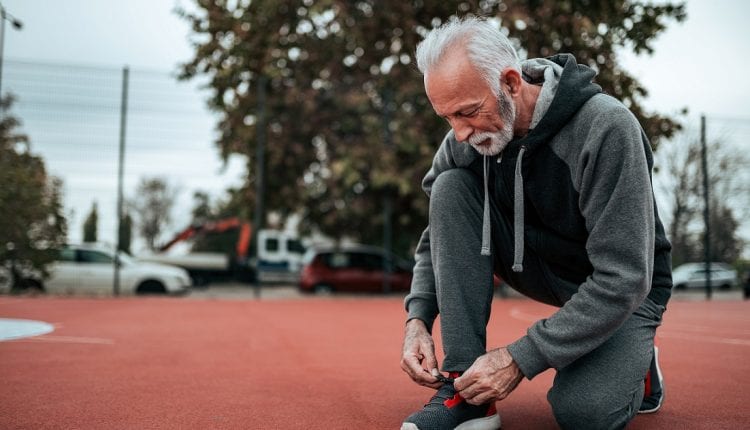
{"x": 442, "y": 395}
{"x": 443, "y": 379}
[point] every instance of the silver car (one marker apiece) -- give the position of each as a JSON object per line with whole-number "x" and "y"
{"x": 89, "y": 269}
{"x": 693, "y": 275}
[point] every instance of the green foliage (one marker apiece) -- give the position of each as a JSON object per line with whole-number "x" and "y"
{"x": 347, "y": 119}
{"x": 153, "y": 206}
{"x": 202, "y": 209}
{"x": 90, "y": 225}
{"x": 593, "y": 31}
{"x": 31, "y": 211}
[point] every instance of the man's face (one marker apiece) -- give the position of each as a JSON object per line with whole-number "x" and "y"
{"x": 460, "y": 95}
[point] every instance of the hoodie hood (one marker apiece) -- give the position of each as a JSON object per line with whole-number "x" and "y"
{"x": 571, "y": 85}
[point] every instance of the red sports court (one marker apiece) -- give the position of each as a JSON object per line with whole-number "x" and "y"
{"x": 312, "y": 363}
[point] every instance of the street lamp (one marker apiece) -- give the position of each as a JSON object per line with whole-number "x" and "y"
{"x": 18, "y": 25}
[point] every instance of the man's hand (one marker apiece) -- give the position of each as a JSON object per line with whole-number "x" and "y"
{"x": 418, "y": 358}
{"x": 492, "y": 377}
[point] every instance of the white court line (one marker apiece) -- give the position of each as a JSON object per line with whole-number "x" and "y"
{"x": 12, "y": 328}
{"x": 19, "y": 330}
{"x": 69, "y": 339}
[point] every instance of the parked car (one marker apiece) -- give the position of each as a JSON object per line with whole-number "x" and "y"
{"x": 89, "y": 268}
{"x": 353, "y": 269}
{"x": 693, "y": 275}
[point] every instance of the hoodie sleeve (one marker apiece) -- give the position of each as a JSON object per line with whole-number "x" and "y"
{"x": 421, "y": 302}
{"x": 616, "y": 201}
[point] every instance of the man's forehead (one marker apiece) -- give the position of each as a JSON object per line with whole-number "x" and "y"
{"x": 453, "y": 84}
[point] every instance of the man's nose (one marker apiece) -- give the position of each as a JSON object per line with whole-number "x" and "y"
{"x": 462, "y": 130}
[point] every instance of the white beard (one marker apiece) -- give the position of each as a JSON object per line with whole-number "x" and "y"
{"x": 499, "y": 139}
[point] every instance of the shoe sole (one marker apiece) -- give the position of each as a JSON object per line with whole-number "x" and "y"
{"x": 487, "y": 423}
{"x": 660, "y": 378}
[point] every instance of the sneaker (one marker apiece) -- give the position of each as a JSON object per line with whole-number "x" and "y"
{"x": 448, "y": 410}
{"x": 653, "y": 396}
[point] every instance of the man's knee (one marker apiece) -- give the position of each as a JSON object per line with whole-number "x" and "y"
{"x": 454, "y": 180}
{"x": 595, "y": 412}
{"x": 455, "y": 186}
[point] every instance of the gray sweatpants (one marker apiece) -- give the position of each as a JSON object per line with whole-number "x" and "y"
{"x": 601, "y": 390}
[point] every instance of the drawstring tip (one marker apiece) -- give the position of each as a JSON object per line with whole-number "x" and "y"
{"x": 485, "y": 251}
{"x": 518, "y": 268}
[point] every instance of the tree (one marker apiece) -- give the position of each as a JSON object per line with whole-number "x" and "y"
{"x": 726, "y": 245}
{"x": 679, "y": 169}
{"x": 90, "y": 225}
{"x": 125, "y": 233}
{"x": 32, "y": 223}
{"x": 348, "y": 121}
{"x": 153, "y": 207}
{"x": 202, "y": 209}
{"x": 680, "y": 176}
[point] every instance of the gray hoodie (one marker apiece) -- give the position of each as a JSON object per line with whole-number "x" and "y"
{"x": 578, "y": 187}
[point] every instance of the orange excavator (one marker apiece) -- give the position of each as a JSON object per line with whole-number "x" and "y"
{"x": 278, "y": 253}
{"x": 205, "y": 267}
{"x": 220, "y": 226}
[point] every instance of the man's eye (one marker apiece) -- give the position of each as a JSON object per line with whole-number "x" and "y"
{"x": 470, "y": 113}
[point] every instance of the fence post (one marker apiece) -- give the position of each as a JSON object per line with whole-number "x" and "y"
{"x": 120, "y": 174}
{"x": 706, "y": 209}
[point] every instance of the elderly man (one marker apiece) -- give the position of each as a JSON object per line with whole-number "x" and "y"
{"x": 545, "y": 181}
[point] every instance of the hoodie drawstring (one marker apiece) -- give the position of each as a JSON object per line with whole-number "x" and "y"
{"x": 486, "y": 215}
{"x": 518, "y": 209}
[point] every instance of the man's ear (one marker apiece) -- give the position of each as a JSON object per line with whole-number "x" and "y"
{"x": 511, "y": 79}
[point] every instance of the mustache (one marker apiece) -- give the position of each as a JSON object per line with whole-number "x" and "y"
{"x": 478, "y": 138}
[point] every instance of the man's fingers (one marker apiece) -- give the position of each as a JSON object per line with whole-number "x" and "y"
{"x": 489, "y": 378}
{"x": 431, "y": 370}
{"x": 460, "y": 383}
{"x": 411, "y": 363}
{"x": 467, "y": 392}
{"x": 429, "y": 380}
{"x": 430, "y": 363}
{"x": 466, "y": 380}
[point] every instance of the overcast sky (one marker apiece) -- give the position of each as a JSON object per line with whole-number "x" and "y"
{"x": 700, "y": 64}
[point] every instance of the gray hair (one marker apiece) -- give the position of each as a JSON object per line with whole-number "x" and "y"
{"x": 489, "y": 50}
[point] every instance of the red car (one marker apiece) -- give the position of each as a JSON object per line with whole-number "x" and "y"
{"x": 353, "y": 269}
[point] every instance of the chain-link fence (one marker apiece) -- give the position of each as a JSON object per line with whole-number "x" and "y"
{"x": 72, "y": 115}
